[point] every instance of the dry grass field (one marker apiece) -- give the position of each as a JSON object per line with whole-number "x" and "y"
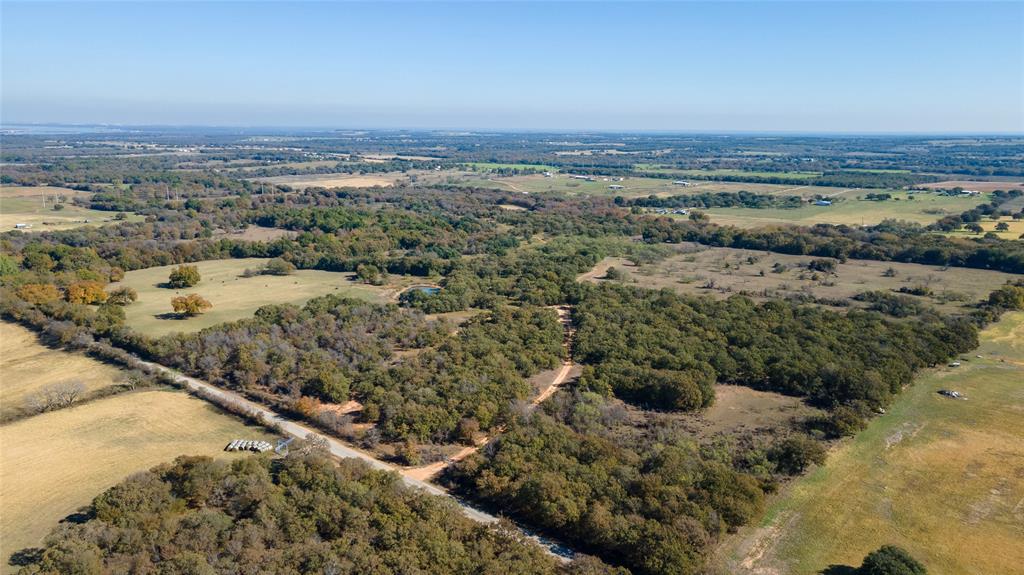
{"x": 27, "y": 366}
{"x": 24, "y": 205}
{"x": 721, "y": 272}
{"x": 235, "y": 297}
{"x": 1016, "y": 228}
{"x": 940, "y": 477}
{"x": 738, "y": 410}
{"x": 975, "y": 185}
{"x": 255, "y": 233}
{"x": 304, "y": 181}
{"x": 53, "y": 464}
{"x": 925, "y": 208}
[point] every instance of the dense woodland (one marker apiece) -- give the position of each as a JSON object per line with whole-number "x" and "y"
{"x": 300, "y": 514}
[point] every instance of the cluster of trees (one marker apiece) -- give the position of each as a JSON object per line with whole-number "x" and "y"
{"x": 302, "y": 514}
{"x": 664, "y": 350}
{"x": 335, "y": 349}
{"x": 892, "y": 304}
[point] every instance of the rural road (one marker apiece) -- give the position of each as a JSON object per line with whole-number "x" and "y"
{"x": 340, "y": 450}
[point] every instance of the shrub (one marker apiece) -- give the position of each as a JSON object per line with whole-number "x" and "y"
{"x": 86, "y": 292}
{"x": 279, "y": 267}
{"x": 891, "y": 560}
{"x": 122, "y": 296}
{"x": 795, "y": 454}
{"x": 184, "y": 276}
{"x": 38, "y": 293}
{"x": 190, "y": 305}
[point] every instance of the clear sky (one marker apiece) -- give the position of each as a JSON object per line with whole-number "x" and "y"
{"x": 680, "y": 66}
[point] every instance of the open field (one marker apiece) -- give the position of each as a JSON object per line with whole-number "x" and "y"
{"x": 942, "y": 478}
{"x": 484, "y": 166}
{"x": 27, "y": 366}
{"x": 53, "y": 464}
{"x": 731, "y": 173}
{"x": 255, "y": 233}
{"x": 739, "y": 410}
{"x": 304, "y": 181}
{"x": 721, "y": 272}
{"x": 1016, "y": 228}
{"x": 24, "y": 205}
{"x": 235, "y": 297}
{"x": 986, "y": 186}
{"x": 632, "y": 187}
{"x": 847, "y": 209}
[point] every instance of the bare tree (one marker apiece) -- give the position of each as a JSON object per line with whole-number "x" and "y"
{"x": 55, "y": 396}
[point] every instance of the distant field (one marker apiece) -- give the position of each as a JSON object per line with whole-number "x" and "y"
{"x": 26, "y": 366}
{"x": 847, "y": 209}
{"x": 495, "y": 166}
{"x": 24, "y": 205}
{"x": 973, "y": 185}
{"x": 53, "y": 464}
{"x": 234, "y": 297}
{"x": 940, "y": 477}
{"x": 721, "y": 272}
{"x": 632, "y": 187}
{"x": 731, "y": 173}
{"x": 1015, "y": 231}
{"x": 304, "y": 181}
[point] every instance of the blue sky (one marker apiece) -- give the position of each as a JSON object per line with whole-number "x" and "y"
{"x": 682, "y": 66}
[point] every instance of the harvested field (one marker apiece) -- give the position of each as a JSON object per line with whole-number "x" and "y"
{"x": 235, "y": 297}
{"x": 304, "y": 181}
{"x": 27, "y": 366}
{"x": 942, "y": 478}
{"x": 721, "y": 272}
{"x": 53, "y": 464}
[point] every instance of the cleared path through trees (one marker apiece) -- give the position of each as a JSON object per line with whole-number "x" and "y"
{"x": 339, "y": 449}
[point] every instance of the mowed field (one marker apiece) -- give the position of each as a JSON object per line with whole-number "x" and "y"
{"x": 721, "y": 272}
{"x": 235, "y": 297}
{"x": 24, "y": 205}
{"x": 53, "y": 464}
{"x": 26, "y": 366}
{"x": 925, "y": 208}
{"x": 940, "y": 477}
{"x": 304, "y": 181}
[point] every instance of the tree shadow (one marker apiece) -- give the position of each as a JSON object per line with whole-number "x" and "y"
{"x": 839, "y": 570}
{"x": 78, "y": 517}
{"x": 170, "y": 315}
{"x": 26, "y": 556}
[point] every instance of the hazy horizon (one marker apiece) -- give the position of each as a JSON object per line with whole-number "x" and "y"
{"x": 773, "y": 67}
